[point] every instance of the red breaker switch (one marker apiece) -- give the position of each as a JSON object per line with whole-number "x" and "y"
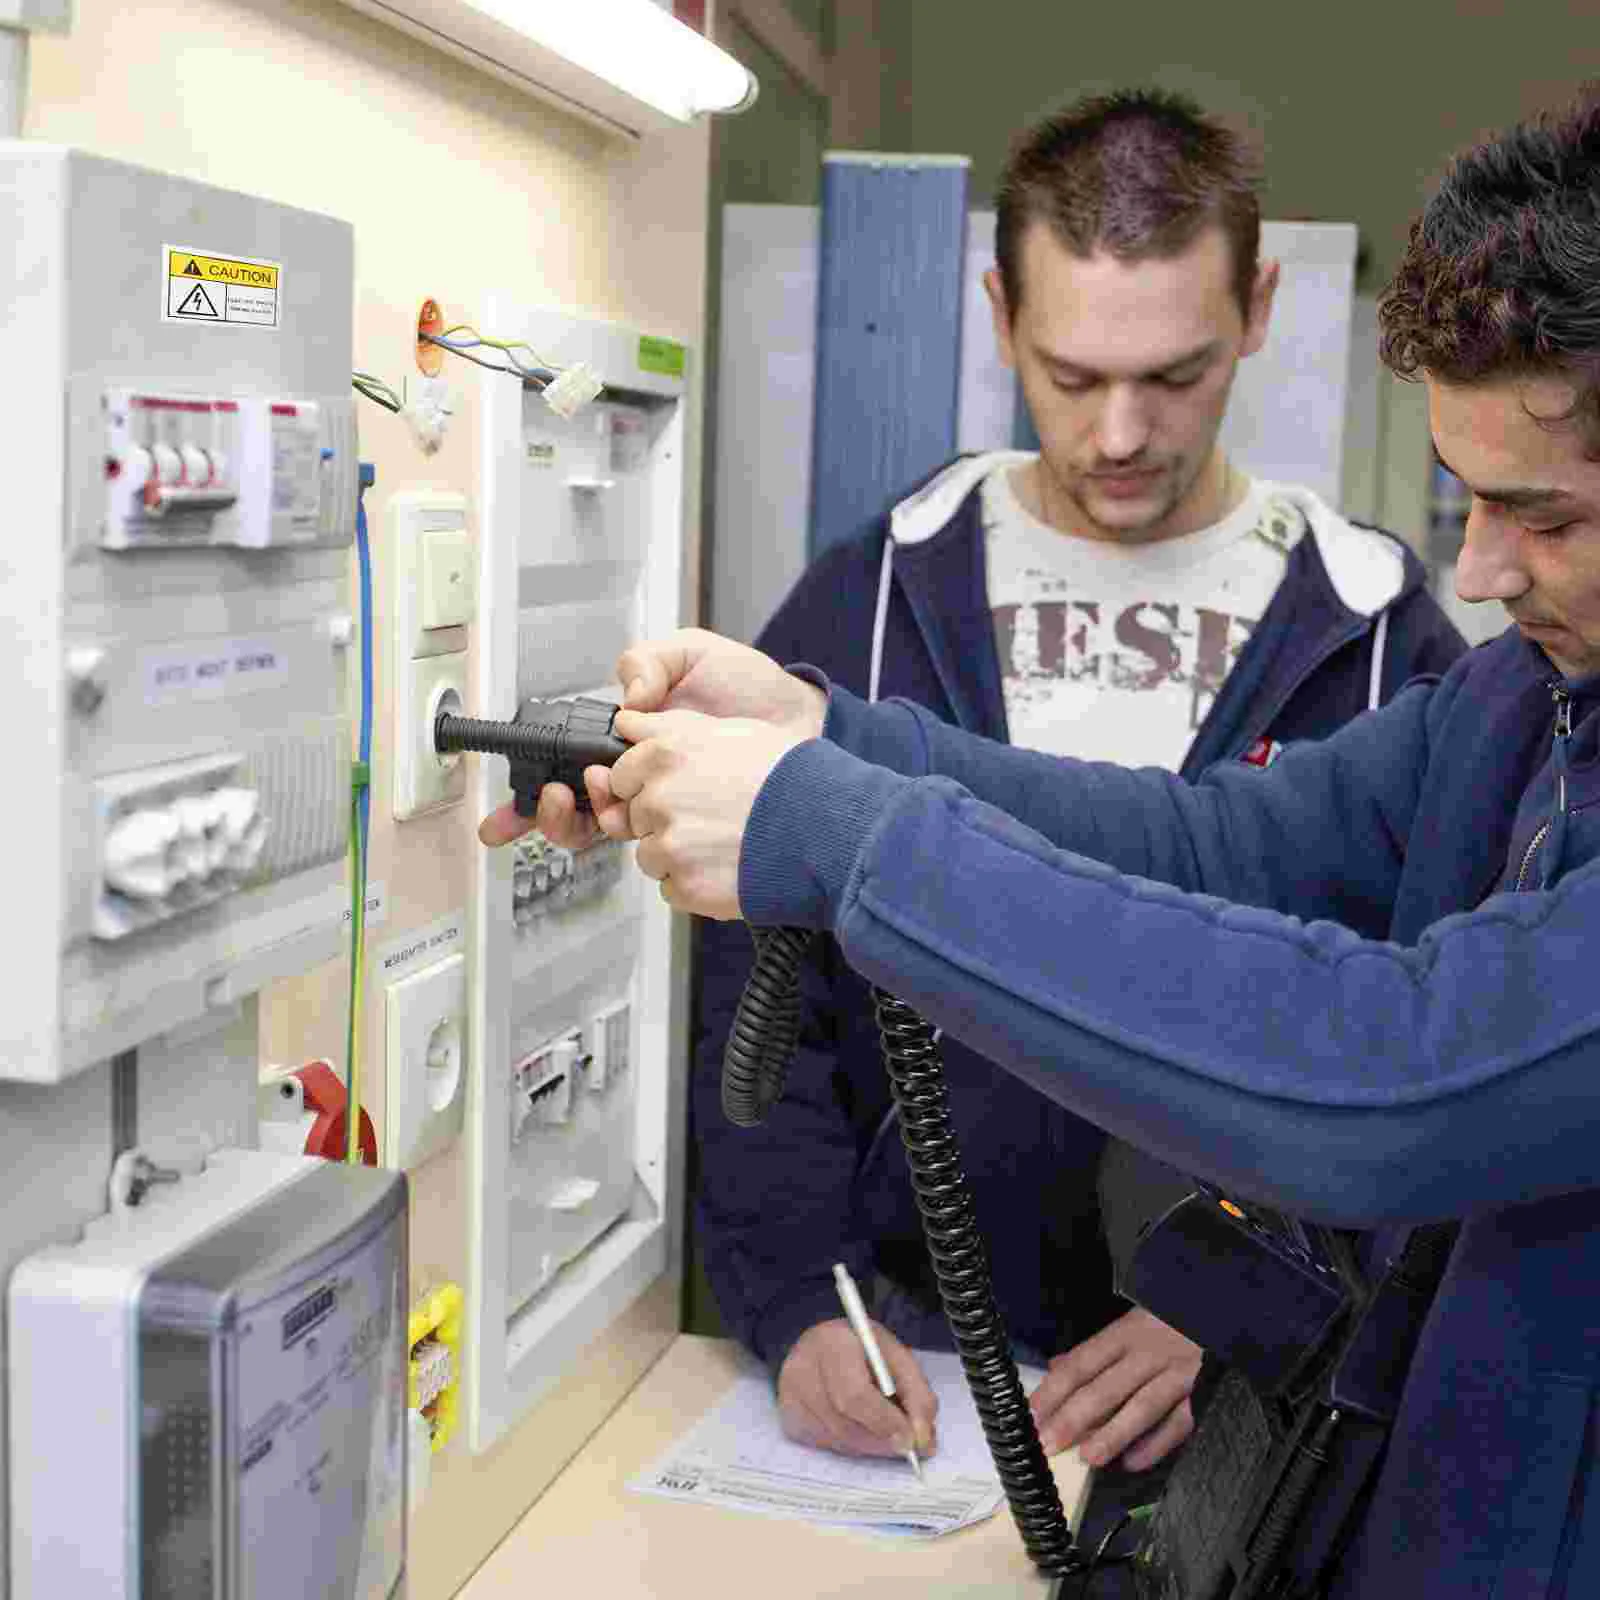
{"x": 325, "y": 1097}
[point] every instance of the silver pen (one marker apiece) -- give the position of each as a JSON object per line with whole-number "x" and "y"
{"x": 857, "y": 1313}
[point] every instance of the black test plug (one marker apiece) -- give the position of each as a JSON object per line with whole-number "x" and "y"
{"x": 551, "y": 741}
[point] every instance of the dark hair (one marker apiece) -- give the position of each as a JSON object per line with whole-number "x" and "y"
{"x": 1138, "y": 173}
{"x": 1502, "y": 274}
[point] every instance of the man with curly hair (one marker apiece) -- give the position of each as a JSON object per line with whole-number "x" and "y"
{"x": 1357, "y": 986}
{"x": 1126, "y": 593}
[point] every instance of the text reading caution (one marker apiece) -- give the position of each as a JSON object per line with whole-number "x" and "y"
{"x": 205, "y": 287}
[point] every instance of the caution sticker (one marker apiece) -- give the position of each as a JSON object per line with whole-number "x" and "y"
{"x": 203, "y": 286}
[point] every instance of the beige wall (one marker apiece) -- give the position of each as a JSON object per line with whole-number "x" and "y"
{"x": 1358, "y": 103}
{"x": 456, "y": 186}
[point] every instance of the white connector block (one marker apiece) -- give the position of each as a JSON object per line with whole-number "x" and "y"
{"x": 170, "y": 839}
{"x": 570, "y": 391}
{"x": 427, "y": 413}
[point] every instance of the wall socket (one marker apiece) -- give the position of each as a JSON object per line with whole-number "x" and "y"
{"x": 424, "y": 780}
{"x": 425, "y": 1095}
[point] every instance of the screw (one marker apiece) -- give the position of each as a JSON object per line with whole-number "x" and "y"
{"x": 145, "y": 1175}
{"x": 84, "y": 668}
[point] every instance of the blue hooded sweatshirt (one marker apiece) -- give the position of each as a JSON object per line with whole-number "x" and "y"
{"x": 1355, "y": 986}
{"x": 902, "y": 610}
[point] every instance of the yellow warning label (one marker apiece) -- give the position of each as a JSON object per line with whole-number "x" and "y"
{"x": 205, "y": 287}
{"x": 222, "y": 269}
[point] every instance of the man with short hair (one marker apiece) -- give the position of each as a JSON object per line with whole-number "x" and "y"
{"x": 1126, "y": 594}
{"x": 1425, "y": 1045}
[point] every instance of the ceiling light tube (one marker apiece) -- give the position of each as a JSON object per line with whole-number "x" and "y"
{"x": 610, "y": 59}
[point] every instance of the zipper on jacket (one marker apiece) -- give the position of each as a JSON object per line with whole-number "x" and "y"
{"x": 1282, "y": 699}
{"x": 1556, "y": 825}
{"x": 1530, "y": 853}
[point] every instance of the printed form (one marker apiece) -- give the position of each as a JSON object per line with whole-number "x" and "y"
{"x": 737, "y": 1457}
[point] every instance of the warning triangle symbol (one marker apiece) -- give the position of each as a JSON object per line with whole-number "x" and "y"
{"x": 197, "y": 303}
{"x": 192, "y": 270}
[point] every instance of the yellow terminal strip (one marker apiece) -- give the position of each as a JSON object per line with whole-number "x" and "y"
{"x": 433, "y": 1371}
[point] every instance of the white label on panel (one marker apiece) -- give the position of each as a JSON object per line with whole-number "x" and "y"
{"x": 377, "y": 908}
{"x": 213, "y": 670}
{"x": 441, "y": 938}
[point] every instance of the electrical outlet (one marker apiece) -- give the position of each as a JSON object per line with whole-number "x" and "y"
{"x": 424, "y": 780}
{"x": 425, "y": 1096}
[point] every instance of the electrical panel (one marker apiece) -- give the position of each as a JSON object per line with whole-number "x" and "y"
{"x": 176, "y": 599}
{"x": 575, "y": 1140}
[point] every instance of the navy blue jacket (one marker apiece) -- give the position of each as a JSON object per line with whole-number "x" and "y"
{"x": 1277, "y": 979}
{"x": 825, "y": 1178}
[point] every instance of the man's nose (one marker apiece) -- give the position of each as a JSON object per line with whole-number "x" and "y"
{"x": 1123, "y": 429}
{"x": 1490, "y": 565}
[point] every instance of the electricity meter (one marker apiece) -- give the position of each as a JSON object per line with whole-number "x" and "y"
{"x": 208, "y": 1391}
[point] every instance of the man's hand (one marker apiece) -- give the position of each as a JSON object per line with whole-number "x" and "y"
{"x": 693, "y": 670}
{"x": 558, "y": 817}
{"x": 690, "y": 670}
{"x": 826, "y": 1396}
{"x": 1125, "y": 1392}
{"x": 685, "y": 792}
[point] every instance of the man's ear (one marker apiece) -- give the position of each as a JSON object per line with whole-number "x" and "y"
{"x": 1261, "y": 298}
{"x": 995, "y": 288}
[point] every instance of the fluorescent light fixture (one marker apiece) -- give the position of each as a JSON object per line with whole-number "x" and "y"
{"x": 627, "y": 64}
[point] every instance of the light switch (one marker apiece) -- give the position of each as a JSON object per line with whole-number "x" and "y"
{"x": 435, "y": 584}
{"x": 446, "y": 578}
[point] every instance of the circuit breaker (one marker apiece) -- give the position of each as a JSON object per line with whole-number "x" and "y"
{"x": 175, "y": 594}
{"x": 571, "y": 1147}
{"x": 575, "y": 1139}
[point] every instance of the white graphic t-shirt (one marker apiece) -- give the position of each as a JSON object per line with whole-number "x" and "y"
{"x": 1113, "y": 652}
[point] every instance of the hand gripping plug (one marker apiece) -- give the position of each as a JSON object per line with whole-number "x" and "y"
{"x": 551, "y": 741}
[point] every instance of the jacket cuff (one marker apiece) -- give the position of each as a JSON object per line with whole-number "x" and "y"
{"x": 779, "y": 1330}
{"x": 888, "y": 733}
{"x": 806, "y": 833}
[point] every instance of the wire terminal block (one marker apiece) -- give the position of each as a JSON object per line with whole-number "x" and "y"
{"x": 572, "y": 389}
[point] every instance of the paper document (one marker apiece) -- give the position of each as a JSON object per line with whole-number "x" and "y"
{"x": 737, "y": 1457}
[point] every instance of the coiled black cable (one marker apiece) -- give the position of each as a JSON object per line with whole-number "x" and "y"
{"x": 766, "y": 1028}
{"x": 756, "y": 1060}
